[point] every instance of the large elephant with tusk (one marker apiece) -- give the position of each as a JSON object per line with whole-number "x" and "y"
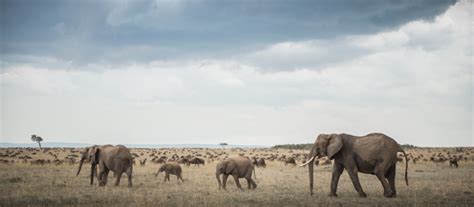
{"x": 374, "y": 153}
{"x": 109, "y": 158}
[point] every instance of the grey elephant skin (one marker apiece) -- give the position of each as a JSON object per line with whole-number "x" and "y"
{"x": 109, "y": 158}
{"x": 238, "y": 167}
{"x": 374, "y": 153}
{"x": 171, "y": 168}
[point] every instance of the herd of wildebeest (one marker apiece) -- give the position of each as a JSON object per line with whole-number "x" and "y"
{"x": 374, "y": 153}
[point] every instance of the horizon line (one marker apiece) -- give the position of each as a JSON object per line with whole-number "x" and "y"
{"x": 190, "y": 144}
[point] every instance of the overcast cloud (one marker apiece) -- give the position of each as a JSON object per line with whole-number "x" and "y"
{"x": 242, "y": 72}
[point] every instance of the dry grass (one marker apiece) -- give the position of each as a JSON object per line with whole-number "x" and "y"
{"x": 278, "y": 185}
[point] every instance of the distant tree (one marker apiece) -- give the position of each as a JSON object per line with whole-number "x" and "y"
{"x": 37, "y": 139}
{"x": 408, "y": 146}
{"x": 223, "y": 144}
{"x": 293, "y": 146}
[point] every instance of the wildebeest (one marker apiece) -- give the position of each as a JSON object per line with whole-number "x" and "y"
{"x": 453, "y": 162}
{"x": 196, "y": 161}
{"x": 259, "y": 162}
{"x": 143, "y": 162}
{"x": 290, "y": 160}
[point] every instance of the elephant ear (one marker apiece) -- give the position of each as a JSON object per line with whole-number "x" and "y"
{"x": 334, "y": 145}
{"x": 95, "y": 152}
{"x": 229, "y": 167}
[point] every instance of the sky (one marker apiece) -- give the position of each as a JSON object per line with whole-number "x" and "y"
{"x": 242, "y": 72}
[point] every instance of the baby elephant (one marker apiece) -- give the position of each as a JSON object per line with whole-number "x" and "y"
{"x": 170, "y": 168}
{"x": 238, "y": 167}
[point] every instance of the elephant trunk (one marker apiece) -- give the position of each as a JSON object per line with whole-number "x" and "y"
{"x": 312, "y": 155}
{"x": 93, "y": 170}
{"x": 80, "y": 166}
{"x": 310, "y": 168}
{"x": 218, "y": 179}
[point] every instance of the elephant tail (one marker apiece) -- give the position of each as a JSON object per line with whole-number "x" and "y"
{"x": 406, "y": 165}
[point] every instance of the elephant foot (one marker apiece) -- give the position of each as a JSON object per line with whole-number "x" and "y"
{"x": 129, "y": 185}
{"x": 390, "y": 194}
{"x": 362, "y": 195}
{"x": 332, "y": 195}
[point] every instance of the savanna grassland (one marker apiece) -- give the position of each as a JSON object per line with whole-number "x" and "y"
{"x": 52, "y": 181}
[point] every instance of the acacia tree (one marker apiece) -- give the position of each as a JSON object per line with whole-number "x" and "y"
{"x": 223, "y": 144}
{"x": 37, "y": 139}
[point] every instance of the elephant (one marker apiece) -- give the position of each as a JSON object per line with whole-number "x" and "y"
{"x": 109, "y": 158}
{"x": 374, "y": 153}
{"x": 171, "y": 168}
{"x": 238, "y": 167}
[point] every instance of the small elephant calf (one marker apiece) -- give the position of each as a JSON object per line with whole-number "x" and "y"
{"x": 171, "y": 168}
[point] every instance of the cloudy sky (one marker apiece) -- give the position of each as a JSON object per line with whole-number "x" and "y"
{"x": 242, "y": 72}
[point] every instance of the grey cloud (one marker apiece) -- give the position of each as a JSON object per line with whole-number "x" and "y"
{"x": 87, "y": 31}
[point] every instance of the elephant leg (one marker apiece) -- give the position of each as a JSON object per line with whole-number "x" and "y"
{"x": 355, "y": 181}
{"x": 224, "y": 181}
{"x": 117, "y": 178}
{"x": 336, "y": 174}
{"x": 248, "y": 183}
{"x": 100, "y": 178}
{"x": 391, "y": 179}
{"x": 105, "y": 176}
{"x": 102, "y": 175}
{"x": 380, "y": 171}
{"x": 252, "y": 183}
{"x": 386, "y": 187}
{"x": 168, "y": 176}
{"x": 236, "y": 179}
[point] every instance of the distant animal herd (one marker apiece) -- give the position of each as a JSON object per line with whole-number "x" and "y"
{"x": 375, "y": 154}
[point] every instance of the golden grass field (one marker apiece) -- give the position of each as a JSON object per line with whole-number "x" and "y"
{"x": 431, "y": 184}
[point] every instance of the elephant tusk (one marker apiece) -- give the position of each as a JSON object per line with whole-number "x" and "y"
{"x": 307, "y": 162}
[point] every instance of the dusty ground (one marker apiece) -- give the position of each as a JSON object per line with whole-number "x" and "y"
{"x": 431, "y": 184}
